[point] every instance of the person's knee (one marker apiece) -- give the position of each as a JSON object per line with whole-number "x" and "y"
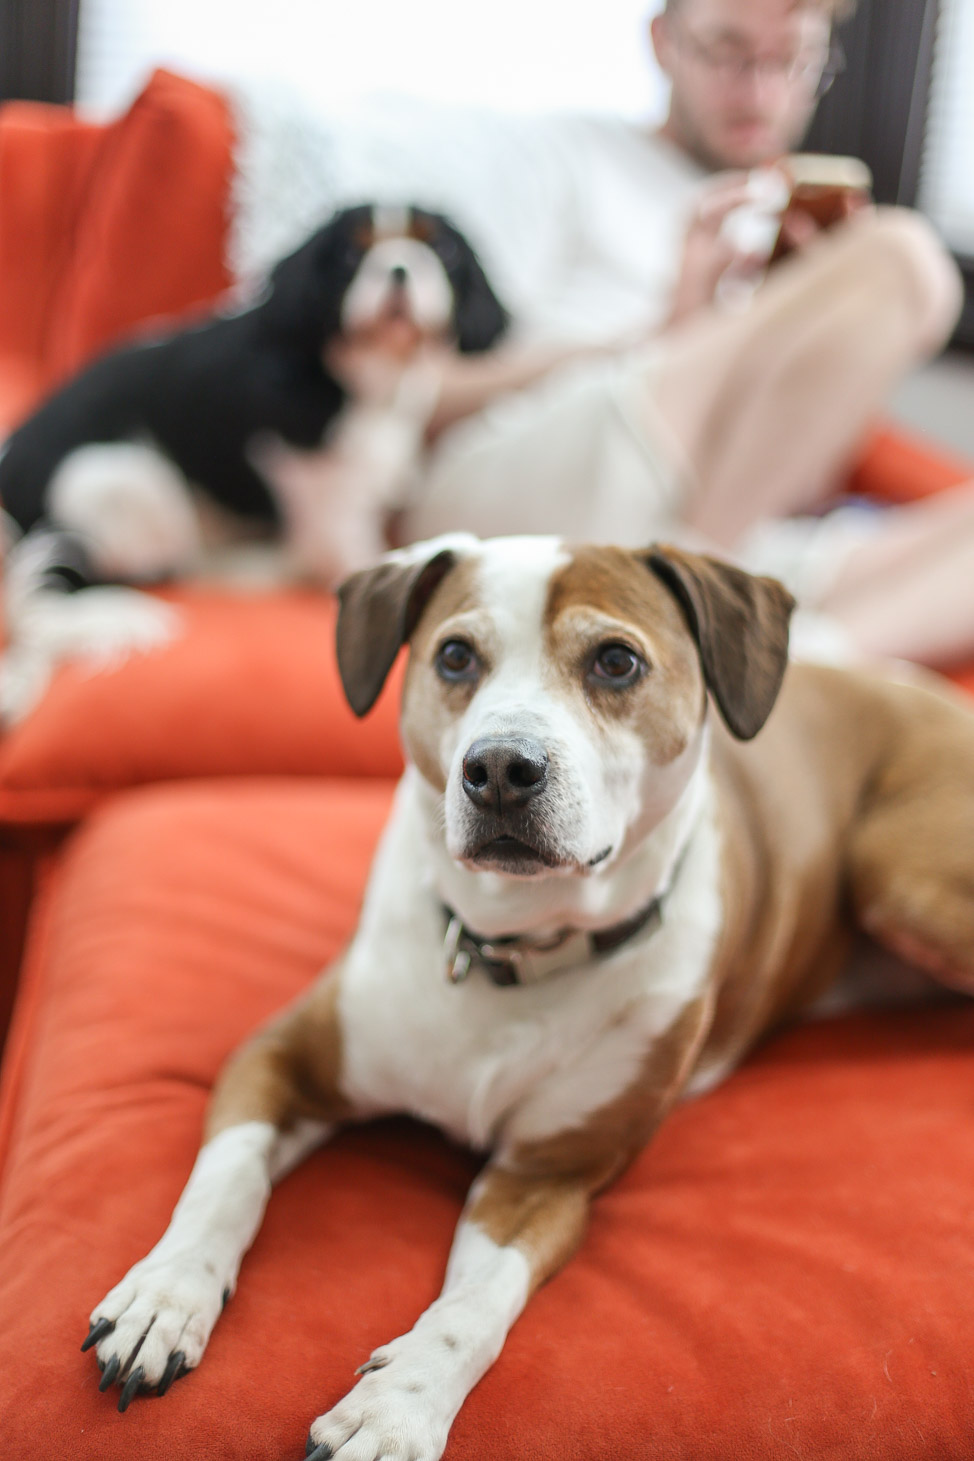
{"x": 898, "y": 249}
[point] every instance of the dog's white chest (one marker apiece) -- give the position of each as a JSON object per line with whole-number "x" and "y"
{"x": 522, "y": 1063}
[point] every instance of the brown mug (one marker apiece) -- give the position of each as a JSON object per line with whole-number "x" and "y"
{"x": 828, "y": 189}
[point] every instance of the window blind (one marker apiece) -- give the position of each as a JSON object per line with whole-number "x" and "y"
{"x": 946, "y": 192}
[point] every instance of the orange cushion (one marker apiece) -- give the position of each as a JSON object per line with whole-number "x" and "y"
{"x": 105, "y": 227}
{"x": 899, "y": 466}
{"x": 787, "y": 1271}
{"x": 150, "y": 241}
{"x": 47, "y": 157}
{"x": 250, "y": 686}
{"x": 21, "y": 385}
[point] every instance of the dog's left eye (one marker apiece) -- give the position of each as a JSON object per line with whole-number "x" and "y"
{"x": 617, "y": 664}
{"x": 456, "y": 660}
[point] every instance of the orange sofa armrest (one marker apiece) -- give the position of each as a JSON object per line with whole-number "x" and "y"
{"x": 151, "y": 242}
{"x": 47, "y": 156}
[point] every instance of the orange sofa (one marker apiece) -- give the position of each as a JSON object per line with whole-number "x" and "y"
{"x": 787, "y": 1271}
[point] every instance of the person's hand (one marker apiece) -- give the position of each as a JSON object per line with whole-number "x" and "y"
{"x": 799, "y": 226}
{"x": 708, "y": 249}
{"x": 382, "y": 369}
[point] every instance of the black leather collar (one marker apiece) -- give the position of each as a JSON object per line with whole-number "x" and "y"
{"x": 517, "y": 959}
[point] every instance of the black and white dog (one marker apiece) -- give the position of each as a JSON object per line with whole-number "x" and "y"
{"x": 300, "y": 419}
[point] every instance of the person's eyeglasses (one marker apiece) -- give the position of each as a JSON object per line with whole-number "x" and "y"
{"x": 814, "y": 70}
{"x": 834, "y": 66}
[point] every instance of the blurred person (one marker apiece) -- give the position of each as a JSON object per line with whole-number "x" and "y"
{"x": 706, "y": 424}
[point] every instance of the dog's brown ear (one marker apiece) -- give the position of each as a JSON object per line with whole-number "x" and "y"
{"x": 740, "y": 623}
{"x": 378, "y": 609}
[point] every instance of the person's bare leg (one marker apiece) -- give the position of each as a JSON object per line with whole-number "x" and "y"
{"x": 908, "y": 590}
{"x": 768, "y": 405}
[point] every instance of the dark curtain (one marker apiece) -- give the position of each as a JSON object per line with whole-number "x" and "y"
{"x": 38, "y": 49}
{"x": 877, "y": 108}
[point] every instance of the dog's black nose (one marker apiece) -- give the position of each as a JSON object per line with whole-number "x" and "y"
{"x": 499, "y": 774}
{"x": 398, "y": 275}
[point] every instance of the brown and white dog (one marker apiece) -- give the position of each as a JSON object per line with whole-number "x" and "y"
{"x": 590, "y": 900}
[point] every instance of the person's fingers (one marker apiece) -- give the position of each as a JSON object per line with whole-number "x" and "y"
{"x": 797, "y": 227}
{"x": 713, "y": 207}
{"x": 854, "y": 201}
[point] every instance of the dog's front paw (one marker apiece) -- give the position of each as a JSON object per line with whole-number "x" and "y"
{"x": 398, "y": 1410}
{"x": 104, "y": 625}
{"x": 154, "y": 1326}
{"x": 24, "y": 676}
{"x": 101, "y": 627}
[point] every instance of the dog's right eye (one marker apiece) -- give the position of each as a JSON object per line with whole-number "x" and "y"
{"x": 616, "y": 664}
{"x": 456, "y": 660}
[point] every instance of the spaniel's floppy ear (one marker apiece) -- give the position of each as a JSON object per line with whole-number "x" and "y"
{"x": 378, "y": 609}
{"x": 479, "y": 317}
{"x": 740, "y": 623}
{"x": 305, "y": 289}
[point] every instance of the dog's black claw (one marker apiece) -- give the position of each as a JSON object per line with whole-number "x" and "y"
{"x": 98, "y": 1330}
{"x": 109, "y": 1373}
{"x": 376, "y": 1362}
{"x": 226, "y": 1297}
{"x": 175, "y": 1367}
{"x": 130, "y": 1389}
{"x": 317, "y": 1453}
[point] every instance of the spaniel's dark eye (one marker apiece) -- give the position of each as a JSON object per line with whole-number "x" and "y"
{"x": 457, "y": 660}
{"x": 616, "y": 664}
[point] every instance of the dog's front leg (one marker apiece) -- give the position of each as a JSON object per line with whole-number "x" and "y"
{"x": 516, "y": 1231}
{"x": 274, "y": 1102}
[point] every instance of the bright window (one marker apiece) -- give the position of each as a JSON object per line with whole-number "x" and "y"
{"x": 947, "y": 180}
{"x": 523, "y": 55}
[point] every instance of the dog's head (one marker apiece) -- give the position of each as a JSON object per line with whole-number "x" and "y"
{"x": 390, "y": 276}
{"x": 555, "y": 697}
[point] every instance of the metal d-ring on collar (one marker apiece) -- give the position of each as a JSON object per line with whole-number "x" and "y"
{"x": 517, "y": 959}
{"x": 514, "y": 959}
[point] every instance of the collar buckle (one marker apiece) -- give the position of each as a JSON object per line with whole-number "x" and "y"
{"x": 458, "y": 959}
